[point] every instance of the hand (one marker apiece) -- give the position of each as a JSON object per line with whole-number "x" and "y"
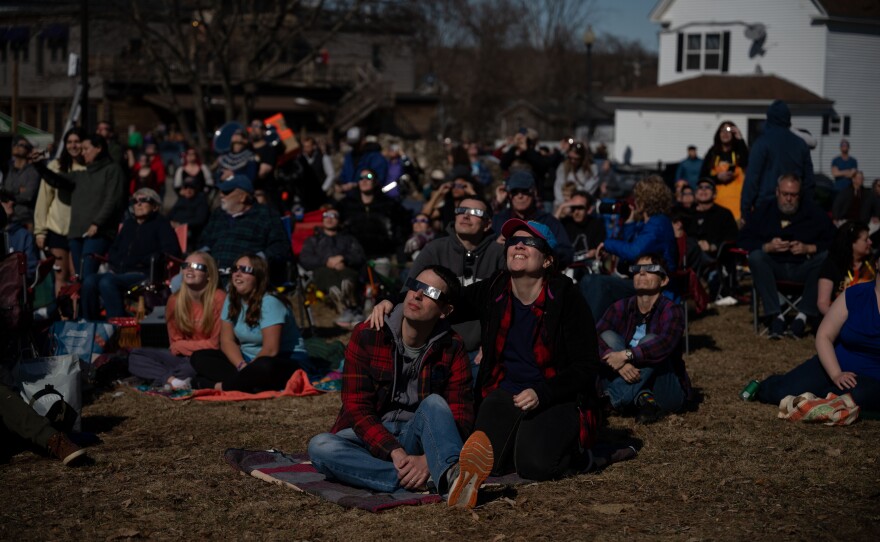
{"x": 797, "y": 248}
{"x": 704, "y": 245}
{"x": 334, "y": 261}
{"x": 500, "y": 193}
{"x": 600, "y": 250}
{"x": 615, "y": 360}
{"x": 40, "y": 240}
{"x": 776, "y": 245}
{"x": 92, "y": 231}
{"x": 845, "y": 380}
{"x": 377, "y": 317}
{"x": 725, "y": 176}
{"x": 526, "y": 400}
{"x": 479, "y": 357}
{"x": 520, "y": 141}
{"x": 630, "y": 373}
{"x": 736, "y": 132}
{"x": 412, "y": 470}
{"x": 227, "y": 173}
{"x": 444, "y": 188}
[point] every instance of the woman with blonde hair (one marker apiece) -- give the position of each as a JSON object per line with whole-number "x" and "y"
{"x": 193, "y": 319}
{"x": 577, "y": 169}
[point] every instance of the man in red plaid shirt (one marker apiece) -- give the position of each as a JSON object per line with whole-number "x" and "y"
{"x": 407, "y": 399}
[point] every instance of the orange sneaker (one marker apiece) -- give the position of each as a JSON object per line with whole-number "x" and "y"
{"x": 475, "y": 464}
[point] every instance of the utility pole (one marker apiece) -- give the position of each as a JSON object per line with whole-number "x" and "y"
{"x": 84, "y": 65}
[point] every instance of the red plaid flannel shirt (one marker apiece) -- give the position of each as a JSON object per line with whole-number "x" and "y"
{"x": 368, "y": 377}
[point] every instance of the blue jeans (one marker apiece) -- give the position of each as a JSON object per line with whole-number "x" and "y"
{"x": 83, "y": 246}
{"x": 432, "y": 431}
{"x": 811, "y": 377}
{"x": 111, "y": 288}
{"x": 659, "y": 379}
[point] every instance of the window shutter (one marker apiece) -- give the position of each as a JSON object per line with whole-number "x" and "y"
{"x": 725, "y": 52}
{"x": 680, "y": 54}
{"x": 824, "y": 124}
{"x": 846, "y": 125}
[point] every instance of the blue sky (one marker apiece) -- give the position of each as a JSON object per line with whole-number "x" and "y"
{"x": 627, "y": 19}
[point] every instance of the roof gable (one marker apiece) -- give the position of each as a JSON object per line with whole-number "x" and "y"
{"x": 725, "y": 88}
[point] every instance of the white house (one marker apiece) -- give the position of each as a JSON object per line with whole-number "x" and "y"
{"x": 728, "y": 60}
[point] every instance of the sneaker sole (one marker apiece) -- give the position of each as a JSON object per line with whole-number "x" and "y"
{"x": 73, "y": 459}
{"x": 475, "y": 464}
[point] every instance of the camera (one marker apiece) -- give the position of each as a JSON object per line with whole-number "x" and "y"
{"x": 616, "y": 207}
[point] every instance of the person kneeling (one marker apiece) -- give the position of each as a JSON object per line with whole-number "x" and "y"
{"x": 260, "y": 344}
{"x": 640, "y": 342}
{"x": 407, "y": 397}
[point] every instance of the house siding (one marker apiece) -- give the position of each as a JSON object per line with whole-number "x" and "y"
{"x": 852, "y": 80}
{"x": 794, "y": 47}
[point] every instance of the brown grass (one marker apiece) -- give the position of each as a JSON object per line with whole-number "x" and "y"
{"x": 730, "y": 471}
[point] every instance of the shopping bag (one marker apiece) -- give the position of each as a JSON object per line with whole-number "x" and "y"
{"x": 52, "y": 387}
{"x": 88, "y": 341}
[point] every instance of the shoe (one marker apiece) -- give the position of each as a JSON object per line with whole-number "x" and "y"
{"x": 180, "y": 384}
{"x": 334, "y": 296}
{"x": 649, "y": 411}
{"x": 797, "y": 329}
{"x": 475, "y": 463}
{"x": 61, "y": 447}
{"x": 348, "y": 295}
{"x": 777, "y": 328}
{"x": 726, "y": 301}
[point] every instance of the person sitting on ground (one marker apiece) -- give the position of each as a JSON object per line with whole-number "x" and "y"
{"x": 847, "y": 356}
{"x": 407, "y": 396}
{"x": 260, "y": 344}
{"x": 193, "y": 319}
{"x": 585, "y": 230}
{"x": 52, "y": 211}
{"x": 238, "y": 161}
{"x": 145, "y": 235}
{"x": 520, "y": 195}
{"x": 469, "y": 251}
{"x": 536, "y": 382}
{"x": 848, "y": 264}
{"x": 647, "y": 230}
{"x": 787, "y": 239}
{"x": 241, "y": 225}
{"x": 194, "y": 170}
{"x": 578, "y": 168}
{"x": 366, "y": 153}
{"x": 441, "y": 206}
{"x": 335, "y": 259}
{"x": 640, "y": 342}
{"x": 19, "y": 238}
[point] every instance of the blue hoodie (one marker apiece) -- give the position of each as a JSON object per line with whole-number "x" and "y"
{"x": 776, "y": 152}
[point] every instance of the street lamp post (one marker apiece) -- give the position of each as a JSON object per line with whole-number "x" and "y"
{"x": 589, "y": 38}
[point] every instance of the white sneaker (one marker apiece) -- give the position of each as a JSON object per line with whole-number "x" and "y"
{"x": 726, "y": 301}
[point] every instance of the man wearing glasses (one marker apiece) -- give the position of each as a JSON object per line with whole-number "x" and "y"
{"x": 640, "y": 344}
{"x": 469, "y": 251}
{"x": 407, "y": 401}
{"x": 787, "y": 239}
{"x": 519, "y": 194}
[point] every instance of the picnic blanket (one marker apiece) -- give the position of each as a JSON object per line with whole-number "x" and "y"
{"x": 297, "y": 386}
{"x": 296, "y": 471}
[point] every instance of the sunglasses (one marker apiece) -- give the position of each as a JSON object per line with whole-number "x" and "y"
{"x": 534, "y": 242}
{"x": 428, "y": 291}
{"x": 654, "y": 268}
{"x": 479, "y": 213}
{"x": 246, "y": 269}
{"x": 420, "y": 221}
{"x": 237, "y": 142}
{"x": 520, "y": 192}
{"x": 134, "y": 201}
{"x": 367, "y": 176}
{"x": 330, "y": 214}
{"x": 460, "y": 186}
{"x": 578, "y": 207}
{"x": 194, "y": 266}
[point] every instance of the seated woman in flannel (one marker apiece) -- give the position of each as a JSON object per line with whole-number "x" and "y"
{"x": 193, "y": 319}
{"x": 260, "y": 343}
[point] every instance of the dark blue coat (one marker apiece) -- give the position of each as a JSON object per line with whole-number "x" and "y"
{"x": 137, "y": 243}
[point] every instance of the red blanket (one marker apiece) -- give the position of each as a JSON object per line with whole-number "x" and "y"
{"x": 297, "y": 386}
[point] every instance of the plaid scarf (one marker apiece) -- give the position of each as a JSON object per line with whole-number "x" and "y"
{"x": 541, "y": 340}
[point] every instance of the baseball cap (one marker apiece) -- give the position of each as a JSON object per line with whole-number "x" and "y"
{"x": 535, "y": 228}
{"x": 237, "y": 181}
{"x": 520, "y": 180}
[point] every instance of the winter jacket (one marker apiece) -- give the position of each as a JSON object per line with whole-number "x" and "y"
{"x": 776, "y": 152}
{"x": 320, "y": 246}
{"x": 136, "y": 244}
{"x": 639, "y": 238}
{"x": 370, "y": 157}
{"x": 809, "y": 225}
{"x": 379, "y": 226}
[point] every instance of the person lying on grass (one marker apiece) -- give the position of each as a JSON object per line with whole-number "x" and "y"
{"x": 407, "y": 399}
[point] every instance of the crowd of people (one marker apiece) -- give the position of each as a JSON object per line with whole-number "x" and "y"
{"x": 501, "y": 306}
